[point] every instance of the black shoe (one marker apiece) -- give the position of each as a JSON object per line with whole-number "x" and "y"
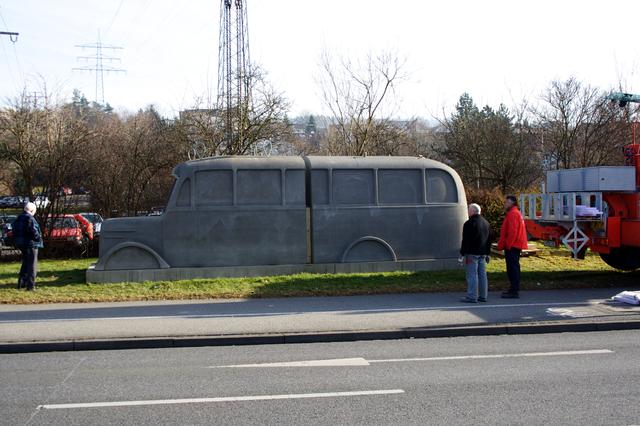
{"x": 481, "y": 299}
{"x": 468, "y": 300}
{"x": 508, "y": 295}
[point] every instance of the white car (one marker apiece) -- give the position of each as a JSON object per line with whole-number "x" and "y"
{"x": 40, "y": 201}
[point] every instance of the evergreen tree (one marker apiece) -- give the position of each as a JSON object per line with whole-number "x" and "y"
{"x": 490, "y": 148}
{"x": 310, "y": 129}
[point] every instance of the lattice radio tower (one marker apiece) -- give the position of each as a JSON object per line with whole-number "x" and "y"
{"x": 234, "y": 95}
{"x": 98, "y": 64}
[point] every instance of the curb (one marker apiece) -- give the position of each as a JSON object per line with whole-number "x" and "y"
{"x": 317, "y": 337}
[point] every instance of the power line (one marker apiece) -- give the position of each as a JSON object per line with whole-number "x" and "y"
{"x": 98, "y": 65}
{"x": 12, "y": 36}
{"x": 4, "y": 50}
{"x": 15, "y": 52}
{"x": 114, "y": 17}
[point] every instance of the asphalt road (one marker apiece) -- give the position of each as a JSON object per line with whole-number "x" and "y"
{"x": 583, "y": 378}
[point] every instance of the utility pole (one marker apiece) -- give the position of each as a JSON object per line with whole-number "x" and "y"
{"x": 234, "y": 94}
{"x": 12, "y": 36}
{"x": 98, "y": 65}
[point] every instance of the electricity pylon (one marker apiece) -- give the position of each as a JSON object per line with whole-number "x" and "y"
{"x": 98, "y": 65}
{"x": 234, "y": 90}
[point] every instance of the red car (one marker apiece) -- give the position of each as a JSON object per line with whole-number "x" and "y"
{"x": 68, "y": 231}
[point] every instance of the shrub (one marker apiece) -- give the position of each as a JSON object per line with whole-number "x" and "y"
{"x": 492, "y": 203}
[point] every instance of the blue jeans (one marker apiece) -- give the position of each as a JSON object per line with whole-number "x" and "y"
{"x": 477, "y": 284}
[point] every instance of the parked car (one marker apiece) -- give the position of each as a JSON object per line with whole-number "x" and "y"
{"x": 156, "y": 211}
{"x": 7, "y": 219}
{"x": 41, "y": 201}
{"x": 5, "y": 227}
{"x": 10, "y": 201}
{"x": 68, "y": 232}
{"x": 96, "y": 220}
{"x": 18, "y": 202}
{"x": 64, "y": 232}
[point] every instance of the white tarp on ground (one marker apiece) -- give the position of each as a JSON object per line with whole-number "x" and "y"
{"x": 630, "y": 297}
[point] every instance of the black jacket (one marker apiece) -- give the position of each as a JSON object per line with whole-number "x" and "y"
{"x": 476, "y": 236}
{"x": 26, "y": 232}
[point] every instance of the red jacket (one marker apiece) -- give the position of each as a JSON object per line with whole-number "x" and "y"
{"x": 513, "y": 233}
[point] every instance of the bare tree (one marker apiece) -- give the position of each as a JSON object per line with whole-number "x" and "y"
{"x": 261, "y": 119}
{"x": 104, "y": 165}
{"x": 64, "y": 148}
{"x": 44, "y": 141}
{"x": 20, "y": 142}
{"x": 130, "y": 156}
{"x": 579, "y": 126}
{"x": 357, "y": 93}
{"x": 8, "y": 174}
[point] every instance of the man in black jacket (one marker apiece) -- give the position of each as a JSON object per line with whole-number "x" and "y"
{"x": 475, "y": 250}
{"x": 28, "y": 238}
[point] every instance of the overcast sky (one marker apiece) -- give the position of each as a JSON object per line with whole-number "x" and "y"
{"x": 498, "y": 51}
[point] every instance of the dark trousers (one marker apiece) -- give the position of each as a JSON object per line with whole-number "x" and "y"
{"x": 512, "y": 258}
{"x": 29, "y": 267}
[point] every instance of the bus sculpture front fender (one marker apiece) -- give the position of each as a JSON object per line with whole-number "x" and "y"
{"x": 131, "y": 255}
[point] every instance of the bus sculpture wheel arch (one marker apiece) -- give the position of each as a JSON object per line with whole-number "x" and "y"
{"x": 242, "y": 216}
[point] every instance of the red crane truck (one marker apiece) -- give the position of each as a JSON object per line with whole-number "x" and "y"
{"x": 596, "y": 208}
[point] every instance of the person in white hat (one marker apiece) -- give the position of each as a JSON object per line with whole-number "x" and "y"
{"x": 28, "y": 238}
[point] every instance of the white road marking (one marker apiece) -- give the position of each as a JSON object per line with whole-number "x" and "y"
{"x": 530, "y": 354}
{"x": 220, "y": 399}
{"x": 457, "y": 306}
{"x": 342, "y": 362}
{"x": 360, "y": 362}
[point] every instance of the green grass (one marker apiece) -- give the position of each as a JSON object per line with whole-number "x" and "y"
{"x": 64, "y": 281}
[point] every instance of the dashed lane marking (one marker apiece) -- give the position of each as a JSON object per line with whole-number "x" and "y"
{"x": 362, "y": 362}
{"x": 220, "y": 399}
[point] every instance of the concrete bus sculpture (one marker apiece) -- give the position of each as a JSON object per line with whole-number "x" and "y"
{"x": 244, "y": 216}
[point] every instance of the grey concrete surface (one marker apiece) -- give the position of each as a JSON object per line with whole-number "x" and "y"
{"x": 255, "y": 321}
{"x": 94, "y": 275}
{"x": 590, "y": 378}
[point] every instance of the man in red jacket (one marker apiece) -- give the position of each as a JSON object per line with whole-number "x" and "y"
{"x": 513, "y": 239}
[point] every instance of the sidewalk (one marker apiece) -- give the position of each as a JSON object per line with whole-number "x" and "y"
{"x": 32, "y": 328}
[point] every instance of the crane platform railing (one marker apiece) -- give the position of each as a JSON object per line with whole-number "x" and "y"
{"x": 563, "y": 206}
{"x": 574, "y": 211}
